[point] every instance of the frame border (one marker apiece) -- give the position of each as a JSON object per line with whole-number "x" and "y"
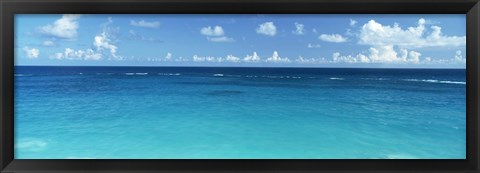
{"x": 8, "y": 8}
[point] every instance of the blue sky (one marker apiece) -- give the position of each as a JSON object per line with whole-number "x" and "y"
{"x": 404, "y": 41}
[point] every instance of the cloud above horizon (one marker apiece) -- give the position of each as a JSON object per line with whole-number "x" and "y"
{"x": 267, "y": 28}
{"x": 357, "y": 40}
{"x": 334, "y": 38}
{"x": 375, "y": 34}
{"x": 65, "y": 27}
{"x": 145, "y": 24}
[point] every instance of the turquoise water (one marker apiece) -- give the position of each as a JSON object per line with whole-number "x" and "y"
{"x": 232, "y": 113}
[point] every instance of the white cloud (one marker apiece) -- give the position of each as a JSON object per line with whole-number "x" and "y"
{"x": 220, "y": 39}
{"x": 381, "y": 54}
{"x": 145, "y": 24}
{"x": 65, "y": 27}
{"x": 353, "y": 22}
{"x": 459, "y": 58}
{"x": 215, "y": 34}
{"x": 168, "y": 57}
{"x": 197, "y": 58}
{"x": 414, "y": 57}
{"x": 48, "y": 43}
{"x": 212, "y": 31}
{"x": 335, "y": 38}
{"x": 303, "y": 60}
{"x": 252, "y": 58}
{"x": 31, "y": 53}
{"x": 135, "y": 36}
{"x": 277, "y": 59}
{"x": 313, "y": 45}
{"x": 314, "y": 30}
{"x": 71, "y": 54}
{"x": 102, "y": 41}
{"x": 360, "y": 58}
{"x": 376, "y": 34}
{"x": 267, "y": 28}
{"x": 299, "y": 29}
{"x": 231, "y": 58}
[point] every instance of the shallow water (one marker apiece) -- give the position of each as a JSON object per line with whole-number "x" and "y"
{"x": 229, "y": 113}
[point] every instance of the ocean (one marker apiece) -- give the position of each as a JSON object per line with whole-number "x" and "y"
{"x": 239, "y": 113}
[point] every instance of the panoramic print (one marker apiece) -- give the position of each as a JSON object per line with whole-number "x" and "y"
{"x": 211, "y": 86}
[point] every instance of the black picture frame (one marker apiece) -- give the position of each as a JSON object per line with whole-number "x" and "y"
{"x": 8, "y": 8}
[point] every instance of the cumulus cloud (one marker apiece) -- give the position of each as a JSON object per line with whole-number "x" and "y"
{"x": 313, "y": 45}
{"x": 102, "y": 41}
{"x": 252, "y": 58}
{"x": 337, "y": 57}
{"x": 31, "y": 53}
{"x": 215, "y": 34}
{"x": 353, "y": 22}
{"x": 231, "y": 58}
{"x": 168, "y": 57}
{"x": 145, "y": 24}
{"x": 277, "y": 59}
{"x": 335, "y": 38}
{"x": 376, "y": 34}
{"x": 212, "y": 31}
{"x": 459, "y": 58}
{"x": 197, "y": 58}
{"x": 267, "y": 28}
{"x": 303, "y": 60}
{"x": 414, "y": 57}
{"x": 48, "y": 43}
{"x": 299, "y": 29}
{"x": 381, "y": 54}
{"x": 71, "y": 54}
{"x": 65, "y": 27}
{"x": 220, "y": 39}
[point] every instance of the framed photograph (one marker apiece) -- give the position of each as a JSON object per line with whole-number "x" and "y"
{"x": 239, "y": 86}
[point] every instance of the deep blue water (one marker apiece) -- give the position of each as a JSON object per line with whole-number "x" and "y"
{"x": 231, "y": 113}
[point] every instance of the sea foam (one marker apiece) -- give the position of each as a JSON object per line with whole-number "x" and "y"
{"x": 436, "y": 81}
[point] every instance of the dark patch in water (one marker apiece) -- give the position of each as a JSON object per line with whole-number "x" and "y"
{"x": 245, "y": 84}
{"x": 224, "y": 92}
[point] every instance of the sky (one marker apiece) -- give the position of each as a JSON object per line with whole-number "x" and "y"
{"x": 242, "y": 40}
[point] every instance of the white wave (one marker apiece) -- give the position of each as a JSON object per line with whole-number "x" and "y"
{"x": 19, "y": 75}
{"x": 31, "y": 144}
{"x": 336, "y": 78}
{"x": 381, "y": 79}
{"x": 218, "y": 75}
{"x": 141, "y": 73}
{"x": 436, "y": 81}
{"x": 169, "y": 74}
{"x": 80, "y": 73}
{"x": 129, "y": 73}
{"x": 454, "y": 82}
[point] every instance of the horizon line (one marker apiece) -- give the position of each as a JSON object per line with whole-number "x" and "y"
{"x": 453, "y": 68}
